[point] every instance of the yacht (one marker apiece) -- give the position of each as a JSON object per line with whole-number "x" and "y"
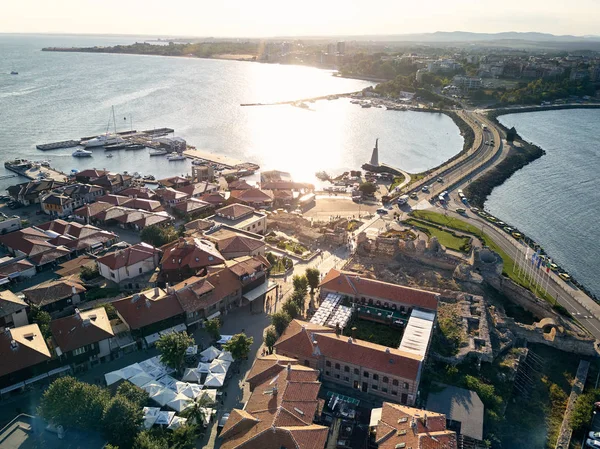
{"x": 82, "y": 153}
{"x": 104, "y": 140}
{"x": 158, "y": 152}
{"x": 176, "y": 157}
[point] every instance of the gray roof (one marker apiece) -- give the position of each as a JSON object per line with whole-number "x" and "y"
{"x": 10, "y": 303}
{"x": 459, "y": 405}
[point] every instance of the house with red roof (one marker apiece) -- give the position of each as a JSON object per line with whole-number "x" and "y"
{"x": 233, "y": 243}
{"x": 186, "y": 257}
{"x": 129, "y": 263}
{"x": 280, "y": 413}
{"x": 389, "y": 373}
{"x": 56, "y": 297}
{"x": 253, "y": 197}
{"x": 240, "y": 216}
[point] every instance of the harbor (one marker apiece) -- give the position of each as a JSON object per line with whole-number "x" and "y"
{"x": 34, "y": 170}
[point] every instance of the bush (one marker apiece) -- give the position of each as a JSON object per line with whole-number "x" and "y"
{"x": 582, "y": 410}
{"x": 99, "y": 293}
{"x": 89, "y": 272}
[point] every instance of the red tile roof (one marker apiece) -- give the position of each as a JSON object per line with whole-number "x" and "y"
{"x": 147, "y": 308}
{"x": 174, "y": 181}
{"x": 139, "y": 192}
{"x": 192, "y": 205}
{"x": 215, "y": 198}
{"x": 21, "y": 348}
{"x": 170, "y": 194}
{"x": 252, "y": 195}
{"x": 199, "y": 225}
{"x": 52, "y": 291}
{"x": 191, "y": 252}
{"x": 199, "y": 188}
{"x": 348, "y": 283}
{"x": 235, "y": 243}
{"x": 128, "y": 256}
{"x": 92, "y": 209}
{"x": 81, "y": 329}
{"x": 235, "y": 211}
{"x": 115, "y": 200}
{"x": 192, "y": 294}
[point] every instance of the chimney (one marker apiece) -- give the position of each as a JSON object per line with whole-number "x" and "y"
{"x": 148, "y": 303}
{"x": 77, "y": 313}
{"x": 387, "y": 350}
{"x": 275, "y": 390}
{"x": 14, "y": 345}
{"x": 74, "y": 290}
{"x": 338, "y": 331}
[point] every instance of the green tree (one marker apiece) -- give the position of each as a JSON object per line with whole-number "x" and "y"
{"x": 313, "y": 276}
{"x": 213, "y": 327}
{"x": 89, "y": 272}
{"x": 583, "y": 408}
{"x": 111, "y": 312}
{"x": 196, "y": 412}
{"x": 133, "y": 393}
{"x": 367, "y": 188}
{"x": 183, "y": 437}
{"x": 172, "y": 349}
{"x": 298, "y": 298}
{"x": 121, "y": 421}
{"x": 146, "y": 440}
{"x": 300, "y": 284}
{"x": 239, "y": 346}
{"x": 158, "y": 236}
{"x": 71, "y": 403}
{"x": 42, "y": 319}
{"x": 291, "y": 308}
{"x": 270, "y": 338}
{"x": 280, "y": 321}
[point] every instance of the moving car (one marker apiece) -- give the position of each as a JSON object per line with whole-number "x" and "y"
{"x": 382, "y": 211}
{"x": 565, "y": 277}
{"x": 553, "y": 267}
{"x": 461, "y": 211}
{"x": 440, "y": 180}
{"x": 517, "y": 235}
{"x": 474, "y": 210}
{"x": 414, "y": 196}
{"x": 425, "y": 189}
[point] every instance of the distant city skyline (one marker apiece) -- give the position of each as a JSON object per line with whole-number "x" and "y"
{"x": 267, "y": 18}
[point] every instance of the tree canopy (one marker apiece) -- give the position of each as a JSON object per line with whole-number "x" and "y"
{"x": 239, "y": 346}
{"x": 280, "y": 321}
{"x": 133, "y": 393}
{"x": 121, "y": 421}
{"x": 158, "y": 236}
{"x": 42, "y": 319}
{"x": 367, "y": 188}
{"x": 291, "y": 308}
{"x": 213, "y": 327}
{"x": 270, "y": 338}
{"x": 172, "y": 349}
{"x": 313, "y": 276}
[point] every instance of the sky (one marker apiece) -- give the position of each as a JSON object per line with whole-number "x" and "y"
{"x": 267, "y": 18}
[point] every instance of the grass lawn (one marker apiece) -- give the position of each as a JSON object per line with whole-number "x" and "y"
{"x": 446, "y": 238}
{"x": 397, "y": 181}
{"x": 377, "y": 333}
{"x": 460, "y": 225}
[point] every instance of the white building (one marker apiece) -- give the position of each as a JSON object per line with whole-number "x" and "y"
{"x": 9, "y": 224}
{"x": 129, "y": 263}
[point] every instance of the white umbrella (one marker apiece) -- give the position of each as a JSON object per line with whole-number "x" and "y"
{"x": 131, "y": 370}
{"x": 224, "y": 339}
{"x": 150, "y": 416}
{"x": 189, "y": 390}
{"x": 177, "y": 422}
{"x": 113, "y": 376}
{"x": 215, "y": 380}
{"x": 167, "y": 381}
{"x": 165, "y": 418}
{"x": 164, "y": 396}
{"x": 210, "y": 394}
{"x": 180, "y": 403}
{"x": 152, "y": 388}
{"x": 203, "y": 367}
{"x": 141, "y": 379}
{"x": 226, "y": 356}
{"x": 219, "y": 366}
{"x": 210, "y": 353}
{"x": 191, "y": 375}
{"x": 192, "y": 350}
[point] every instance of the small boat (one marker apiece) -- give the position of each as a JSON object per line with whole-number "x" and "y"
{"x": 81, "y": 153}
{"x": 14, "y": 73}
{"x": 158, "y": 152}
{"x": 109, "y": 155}
{"x": 103, "y": 141}
{"x": 116, "y": 146}
{"x": 198, "y": 162}
{"x": 176, "y": 157}
{"x": 366, "y": 105}
{"x": 149, "y": 178}
{"x": 135, "y": 146}
{"x": 45, "y": 163}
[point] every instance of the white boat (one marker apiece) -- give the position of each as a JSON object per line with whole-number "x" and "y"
{"x": 101, "y": 141}
{"x": 158, "y": 152}
{"x": 81, "y": 153}
{"x": 109, "y": 155}
{"x": 176, "y": 157}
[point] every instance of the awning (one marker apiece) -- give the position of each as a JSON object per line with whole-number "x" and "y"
{"x": 62, "y": 369}
{"x": 375, "y": 417}
{"x": 4, "y": 281}
{"x": 12, "y": 388}
{"x": 153, "y": 338}
{"x": 259, "y": 291}
{"x": 36, "y": 378}
{"x": 214, "y": 315}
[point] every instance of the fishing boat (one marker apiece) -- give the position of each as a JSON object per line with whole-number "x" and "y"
{"x": 81, "y": 153}
{"x": 176, "y": 157}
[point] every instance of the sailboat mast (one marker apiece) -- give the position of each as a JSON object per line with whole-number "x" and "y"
{"x": 114, "y": 119}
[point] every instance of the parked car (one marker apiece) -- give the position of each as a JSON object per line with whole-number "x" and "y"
{"x": 592, "y": 443}
{"x": 223, "y": 420}
{"x": 461, "y": 211}
{"x": 425, "y": 189}
{"x": 413, "y": 196}
{"x": 382, "y": 211}
{"x": 594, "y": 435}
{"x": 565, "y": 277}
{"x": 440, "y": 180}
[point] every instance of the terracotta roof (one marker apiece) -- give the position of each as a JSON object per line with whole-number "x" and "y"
{"x": 192, "y": 205}
{"x": 115, "y": 200}
{"x": 215, "y": 198}
{"x": 147, "y": 308}
{"x": 92, "y": 209}
{"x": 50, "y": 256}
{"x": 192, "y": 294}
{"x": 15, "y": 267}
{"x": 302, "y": 339}
{"x": 247, "y": 265}
{"x": 144, "y": 204}
{"x": 231, "y": 242}
{"x": 170, "y": 194}
{"x": 91, "y": 173}
{"x": 191, "y": 252}
{"x": 128, "y": 256}
{"x": 28, "y": 349}
{"x": 52, "y": 291}
{"x": 252, "y": 195}
{"x": 139, "y": 192}
{"x": 235, "y": 211}
{"x": 56, "y": 198}
{"x": 279, "y": 413}
{"x": 400, "y": 424}
{"x": 225, "y": 282}
{"x": 283, "y": 194}
{"x": 174, "y": 181}
{"x": 73, "y": 266}
{"x": 199, "y": 225}
{"x": 199, "y": 188}
{"x": 239, "y": 184}
{"x": 81, "y": 329}
{"x": 349, "y": 283}
{"x": 150, "y": 219}
{"x": 268, "y": 367}
{"x": 10, "y": 303}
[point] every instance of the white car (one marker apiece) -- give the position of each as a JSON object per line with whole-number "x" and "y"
{"x": 592, "y": 443}
{"x": 594, "y": 435}
{"x": 223, "y": 420}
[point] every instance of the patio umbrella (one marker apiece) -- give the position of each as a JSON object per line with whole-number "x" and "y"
{"x": 215, "y": 380}
{"x": 189, "y": 390}
{"x": 191, "y": 375}
{"x": 131, "y": 370}
{"x": 177, "y": 422}
{"x": 192, "y": 350}
{"x": 167, "y": 381}
{"x": 164, "y": 396}
{"x": 226, "y": 356}
{"x": 203, "y": 367}
{"x": 209, "y": 393}
{"x": 219, "y": 366}
{"x": 141, "y": 379}
{"x": 164, "y": 418}
{"x": 113, "y": 376}
{"x": 180, "y": 403}
{"x": 210, "y": 353}
{"x": 153, "y": 388}
{"x": 150, "y": 416}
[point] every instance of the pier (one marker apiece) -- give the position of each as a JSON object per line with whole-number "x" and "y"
{"x": 33, "y": 171}
{"x": 225, "y": 161}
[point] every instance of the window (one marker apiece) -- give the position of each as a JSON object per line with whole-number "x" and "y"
{"x": 328, "y": 363}
{"x": 384, "y": 390}
{"x": 394, "y": 392}
{"x": 375, "y": 376}
{"x": 395, "y": 382}
{"x": 79, "y": 351}
{"x": 347, "y": 379}
{"x": 405, "y": 386}
{"x": 366, "y": 374}
{"x": 140, "y": 270}
{"x": 346, "y": 369}
{"x": 337, "y": 376}
{"x": 337, "y": 366}
{"x": 374, "y": 387}
{"x": 356, "y": 371}
{"x": 327, "y": 373}
{"x": 112, "y": 275}
{"x": 385, "y": 380}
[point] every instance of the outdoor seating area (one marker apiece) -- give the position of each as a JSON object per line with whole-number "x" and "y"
{"x": 382, "y": 315}
{"x": 332, "y": 313}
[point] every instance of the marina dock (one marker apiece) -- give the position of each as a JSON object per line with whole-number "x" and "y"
{"x": 32, "y": 170}
{"x": 225, "y": 161}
